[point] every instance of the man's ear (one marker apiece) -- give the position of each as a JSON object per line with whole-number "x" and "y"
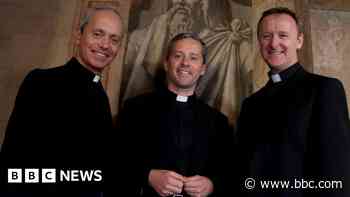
{"x": 300, "y": 40}
{"x": 204, "y": 69}
{"x": 77, "y": 36}
{"x": 165, "y": 65}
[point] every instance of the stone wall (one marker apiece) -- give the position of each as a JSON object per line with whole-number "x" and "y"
{"x": 331, "y": 44}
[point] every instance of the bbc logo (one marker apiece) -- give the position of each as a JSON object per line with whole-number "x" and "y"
{"x": 31, "y": 175}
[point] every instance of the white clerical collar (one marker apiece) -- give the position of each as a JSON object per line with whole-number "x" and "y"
{"x": 276, "y": 78}
{"x": 182, "y": 99}
{"x": 97, "y": 78}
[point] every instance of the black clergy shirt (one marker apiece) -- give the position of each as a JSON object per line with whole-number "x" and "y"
{"x": 189, "y": 138}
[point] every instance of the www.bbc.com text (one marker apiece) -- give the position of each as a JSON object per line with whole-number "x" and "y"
{"x": 251, "y": 184}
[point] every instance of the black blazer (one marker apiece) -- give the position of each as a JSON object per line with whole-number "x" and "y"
{"x": 297, "y": 128}
{"x": 149, "y": 122}
{"x": 61, "y": 119}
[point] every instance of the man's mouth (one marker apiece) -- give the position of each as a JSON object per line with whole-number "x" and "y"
{"x": 182, "y": 72}
{"x": 101, "y": 54}
{"x": 275, "y": 52}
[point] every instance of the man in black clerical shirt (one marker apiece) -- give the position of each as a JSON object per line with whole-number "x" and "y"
{"x": 296, "y": 128}
{"x": 181, "y": 143}
{"x": 62, "y": 117}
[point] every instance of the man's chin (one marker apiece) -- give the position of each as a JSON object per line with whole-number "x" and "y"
{"x": 277, "y": 67}
{"x": 98, "y": 67}
{"x": 185, "y": 85}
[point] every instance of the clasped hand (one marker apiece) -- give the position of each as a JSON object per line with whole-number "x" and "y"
{"x": 167, "y": 183}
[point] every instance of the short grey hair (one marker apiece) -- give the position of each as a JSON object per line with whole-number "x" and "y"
{"x": 92, "y": 11}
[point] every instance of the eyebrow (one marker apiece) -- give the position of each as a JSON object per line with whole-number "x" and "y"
{"x": 191, "y": 53}
{"x": 102, "y": 30}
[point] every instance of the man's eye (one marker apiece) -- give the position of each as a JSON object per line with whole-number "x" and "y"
{"x": 266, "y": 36}
{"x": 177, "y": 56}
{"x": 194, "y": 58}
{"x": 97, "y": 34}
{"x": 115, "y": 41}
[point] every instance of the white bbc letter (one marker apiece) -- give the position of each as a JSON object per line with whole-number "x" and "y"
{"x": 48, "y": 175}
{"x": 98, "y": 175}
{"x": 75, "y": 175}
{"x": 14, "y": 175}
{"x": 31, "y": 175}
{"x": 64, "y": 175}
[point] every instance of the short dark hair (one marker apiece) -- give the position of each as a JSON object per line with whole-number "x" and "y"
{"x": 280, "y": 10}
{"x": 182, "y": 36}
{"x": 85, "y": 20}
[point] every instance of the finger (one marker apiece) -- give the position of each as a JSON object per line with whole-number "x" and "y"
{"x": 173, "y": 188}
{"x": 192, "y": 178}
{"x": 174, "y": 182}
{"x": 197, "y": 182}
{"x": 177, "y": 176}
{"x": 166, "y": 193}
{"x": 193, "y": 190}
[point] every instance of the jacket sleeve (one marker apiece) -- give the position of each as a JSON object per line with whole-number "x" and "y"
{"x": 220, "y": 157}
{"x": 22, "y": 120}
{"x": 242, "y": 147}
{"x": 129, "y": 153}
{"x": 329, "y": 136}
{"x": 20, "y": 126}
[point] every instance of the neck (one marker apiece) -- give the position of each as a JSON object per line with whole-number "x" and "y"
{"x": 97, "y": 72}
{"x": 181, "y": 91}
{"x": 278, "y": 69}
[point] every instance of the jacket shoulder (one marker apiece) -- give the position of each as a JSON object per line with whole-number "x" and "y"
{"x": 211, "y": 111}
{"x": 324, "y": 84}
{"x": 145, "y": 98}
{"x": 47, "y": 74}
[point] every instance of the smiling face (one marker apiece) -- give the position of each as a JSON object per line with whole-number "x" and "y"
{"x": 279, "y": 40}
{"x": 100, "y": 40}
{"x": 184, "y": 66}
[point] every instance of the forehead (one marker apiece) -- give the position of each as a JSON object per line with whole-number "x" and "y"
{"x": 278, "y": 22}
{"x": 106, "y": 19}
{"x": 188, "y": 44}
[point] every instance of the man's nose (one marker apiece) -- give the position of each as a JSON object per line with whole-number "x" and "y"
{"x": 105, "y": 43}
{"x": 274, "y": 41}
{"x": 185, "y": 61}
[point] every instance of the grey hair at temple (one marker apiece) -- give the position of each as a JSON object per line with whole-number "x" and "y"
{"x": 85, "y": 20}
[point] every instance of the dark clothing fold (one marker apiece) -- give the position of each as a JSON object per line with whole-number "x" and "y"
{"x": 61, "y": 119}
{"x": 189, "y": 138}
{"x": 293, "y": 130}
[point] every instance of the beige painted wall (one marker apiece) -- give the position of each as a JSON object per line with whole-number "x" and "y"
{"x": 39, "y": 34}
{"x": 33, "y": 34}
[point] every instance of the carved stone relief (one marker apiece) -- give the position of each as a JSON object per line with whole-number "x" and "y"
{"x": 331, "y": 44}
